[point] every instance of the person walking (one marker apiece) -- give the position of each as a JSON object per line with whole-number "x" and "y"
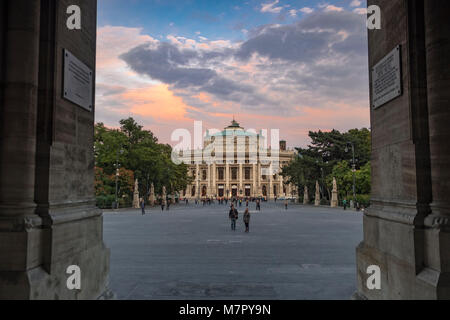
{"x": 344, "y": 202}
{"x": 258, "y": 205}
{"x": 143, "y": 206}
{"x": 233, "y": 215}
{"x": 285, "y": 204}
{"x": 247, "y": 220}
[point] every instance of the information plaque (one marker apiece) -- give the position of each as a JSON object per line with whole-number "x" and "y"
{"x": 78, "y": 84}
{"x": 387, "y": 79}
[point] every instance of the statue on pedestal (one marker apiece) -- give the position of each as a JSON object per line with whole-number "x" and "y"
{"x": 136, "y": 204}
{"x": 334, "y": 196}
{"x": 151, "y": 198}
{"x": 305, "y": 196}
{"x": 164, "y": 196}
{"x": 317, "y": 198}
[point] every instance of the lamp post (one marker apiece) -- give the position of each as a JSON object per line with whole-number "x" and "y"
{"x": 117, "y": 165}
{"x": 353, "y": 169}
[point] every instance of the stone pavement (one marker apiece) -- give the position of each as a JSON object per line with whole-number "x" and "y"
{"x": 190, "y": 252}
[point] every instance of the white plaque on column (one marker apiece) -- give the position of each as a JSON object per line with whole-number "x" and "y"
{"x": 78, "y": 83}
{"x": 387, "y": 79}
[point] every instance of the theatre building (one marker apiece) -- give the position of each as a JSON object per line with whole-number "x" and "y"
{"x": 242, "y": 167}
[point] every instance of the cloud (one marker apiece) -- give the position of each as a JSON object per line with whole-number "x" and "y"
{"x": 306, "y": 10}
{"x": 355, "y": 3}
{"x": 271, "y": 7}
{"x": 297, "y": 76}
{"x": 333, "y": 8}
{"x": 360, "y": 11}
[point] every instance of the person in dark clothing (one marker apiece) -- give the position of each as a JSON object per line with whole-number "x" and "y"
{"x": 143, "y": 206}
{"x": 233, "y": 215}
{"x": 247, "y": 220}
{"x": 258, "y": 205}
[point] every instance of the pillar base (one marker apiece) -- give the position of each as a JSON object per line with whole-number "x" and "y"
{"x": 34, "y": 260}
{"x": 396, "y": 248}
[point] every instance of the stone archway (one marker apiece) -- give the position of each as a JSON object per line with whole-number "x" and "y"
{"x": 46, "y": 206}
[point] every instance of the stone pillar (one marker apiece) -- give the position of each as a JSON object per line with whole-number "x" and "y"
{"x": 281, "y": 191}
{"x": 214, "y": 183}
{"x": 437, "y": 234}
{"x": 19, "y": 113}
{"x": 334, "y": 195}
{"x": 306, "y": 196}
{"x": 197, "y": 182}
{"x": 405, "y": 236}
{"x": 270, "y": 191}
{"x": 240, "y": 180}
{"x": 254, "y": 187}
{"x": 227, "y": 180}
{"x": 48, "y": 218}
{"x": 258, "y": 179}
{"x": 317, "y": 195}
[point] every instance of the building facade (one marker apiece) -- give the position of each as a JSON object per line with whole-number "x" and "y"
{"x": 235, "y": 163}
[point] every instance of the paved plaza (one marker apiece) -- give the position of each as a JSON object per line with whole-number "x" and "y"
{"x": 190, "y": 252}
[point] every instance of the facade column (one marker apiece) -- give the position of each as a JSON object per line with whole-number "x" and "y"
{"x": 270, "y": 191}
{"x": 258, "y": 179}
{"x": 437, "y": 234}
{"x": 254, "y": 177}
{"x": 214, "y": 182}
{"x": 280, "y": 178}
{"x": 208, "y": 179}
{"x": 197, "y": 181}
{"x": 19, "y": 112}
{"x": 406, "y": 228}
{"x": 48, "y": 214}
{"x": 227, "y": 180}
{"x": 240, "y": 181}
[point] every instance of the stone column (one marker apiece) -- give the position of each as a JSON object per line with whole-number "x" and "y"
{"x": 437, "y": 234}
{"x": 48, "y": 218}
{"x": 270, "y": 191}
{"x": 240, "y": 180}
{"x": 19, "y": 113}
{"x": 258, "y": 179}
{"x": 214, "y": 184}
{"x": 197, "y": 182}
{"x": 227, "y": 180}
{"x": 280, "y": 178}
{"x": 254, "y": 187}
{"x": 405, "y": 236}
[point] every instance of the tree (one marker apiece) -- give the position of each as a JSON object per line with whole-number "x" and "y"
{"x": 326, "y": 157}
{"x": 138, "y": 154}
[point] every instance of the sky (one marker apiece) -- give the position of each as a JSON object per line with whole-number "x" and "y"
{"x": 292, "y": 65}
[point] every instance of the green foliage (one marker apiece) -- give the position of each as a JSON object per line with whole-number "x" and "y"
{"x": 138, "y": 155}
{"x": 330, "y": 155}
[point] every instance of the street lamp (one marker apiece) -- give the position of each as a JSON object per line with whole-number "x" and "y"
{"x": 353, "y": 169}
{"x": 117, "y": 165}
